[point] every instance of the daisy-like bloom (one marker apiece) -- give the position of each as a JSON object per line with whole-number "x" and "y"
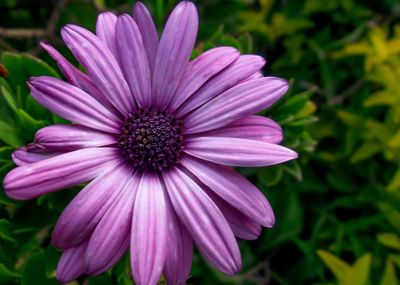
{"x": 155, "y": 134}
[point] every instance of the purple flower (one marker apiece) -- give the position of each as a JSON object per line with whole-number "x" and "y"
{"x": 156, "y": 135}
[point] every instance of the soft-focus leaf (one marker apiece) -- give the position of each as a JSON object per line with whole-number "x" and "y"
{"x": 35, "y": 271}
{"x": 8, "y": 276}
{"x": 338, "y": 267}
{"x": 391, "y": 240}
{"x": 360, "y": 271}
{"x": 5, "y": 232}
{"x": 389, "y": 275}
{"x": 9, "y": 134}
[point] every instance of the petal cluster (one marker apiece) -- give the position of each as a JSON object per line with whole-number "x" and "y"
{"x": 158, "y": 215}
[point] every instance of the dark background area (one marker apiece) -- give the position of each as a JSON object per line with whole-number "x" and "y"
{"x": 337, "y": 207}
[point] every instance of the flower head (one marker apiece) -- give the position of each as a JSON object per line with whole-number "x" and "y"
{"x": 155, "y": 135}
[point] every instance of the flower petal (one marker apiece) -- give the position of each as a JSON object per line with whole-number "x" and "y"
{"x": 242, "y": 226}
{"x": 203, "y": 219}
{"x": 149, "y": 231}
{"x": 71, "y": 137}
{"x": 72, "y": 104}
{"x": 105, "y": 31}
{"x": 134, "y": 63}
{"x": 238, "y": 152}
{"x": 69, "y": 71}
{"x": 110, "y": 239}
{"x": 239, "y": 70}
{"x": 176, "y": 45}
{"x": 240, "y": 101}
{"x": 179, "y": 251}
{"x": 78, "y": 78}
{"x": 71, "y": 264}
{"x": 233, "y": 188}
{"x": 31, "y": 154}
{"x": 202, "y": 69}
{"x": 56, "y": 173}
{"x": 252, "y": 127}
{"x": 148, "y": 31}
{"x": 122, "y": 249}
{"x": 101, "y": 66}
{"x": 255, "y": 75}
{"x": 83, "y": 213}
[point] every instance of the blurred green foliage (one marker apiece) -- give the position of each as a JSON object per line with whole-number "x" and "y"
{"x": 337, "y": 207}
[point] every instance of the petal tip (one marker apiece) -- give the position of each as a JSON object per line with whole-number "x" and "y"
{"x": 44, "y": 44}
{"x": 236, "y": 268}
{"x": 294, "y": 154}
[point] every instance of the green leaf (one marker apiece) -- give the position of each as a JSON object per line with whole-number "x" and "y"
{"x": 246, "y": 42}
{"x": 391, "y": 214}
{"x": 5, "y": 232}
{"x": 271, "y": 175}
{"x": 338, "y": 267}
{"x": 293, "y": 168}
{"x": 36, "y": 67}
{"x": 29, "y": 124}
{"x": 295, "y": 103}
{"x": 9, "y": 134}
{"x": 23, "y": 66}
{"x": 100, "y": 3}
{"x": 9, "y": 98}
{"x": 389, "y": 275}
{"x": 365, "y": 151}
{"x": 380, "y": 131}
{"x": 231, "y": 41}
{"x": 360, "y": 271}
{"x": 350, "y": 119}
{"x": 34, "y": 272}
{"x": 100, "y": 280}
{"x": 7, "y": 275}
{"x": 394, "y": 183}
{"x": 390, "y": 240}
{"x": 357, "y": 274}
{"x": 396, "y": 259}
{"x": 5, "y": 152}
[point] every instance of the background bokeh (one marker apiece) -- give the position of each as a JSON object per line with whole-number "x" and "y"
{"x": 337, "y": 207}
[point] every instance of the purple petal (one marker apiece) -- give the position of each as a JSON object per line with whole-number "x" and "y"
{"x": 233, "y": 188}
{"x": 110, "y": 239}
{"x": 176, "y": 45}
{"x": 27, "y": 155}
{"x": 72, "y": 104}
{"x": 71, "y": 264}
{"x": 81, "y": 216}
{"x": 252, "y": 127}
{"x": 69, "y": 71}
{"x": 78, "y": 78}
{"x": 203, "y": 219}
{"x": 179, "y": 251}
{"x": 123, "y": 247}
{"x": 202, "y": 69}
{"x": 238, "y": 152}
{"x": 105, "y": 31}
{"x": 148, "y": 31}
{"x": 101, "y": 66}
{"x": 149, "y": 231}
{"x": 242, "y": 226}
{"x": 255, "y": 75}
{"x": 56, "y": 173}
{"x": 71, "y": 137}
{"x": 239, "y": 70}
{"x": 238, "y": 102}
{"x": 134, "y": 62}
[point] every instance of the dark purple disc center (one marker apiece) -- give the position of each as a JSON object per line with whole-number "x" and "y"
{"x": 151, "y": 140}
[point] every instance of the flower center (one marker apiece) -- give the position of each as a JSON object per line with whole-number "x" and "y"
{"x": 151, "y": 140}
